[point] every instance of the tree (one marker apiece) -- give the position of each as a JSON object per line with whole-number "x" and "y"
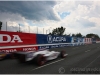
{"x": 0, "y": 25}
{"x": 19, "y": 31}
{"x": 91, "y": 35}
{"x": 58, "y": 31}
{"x": 78, "y": 35}
{"x": 73, "y": 35}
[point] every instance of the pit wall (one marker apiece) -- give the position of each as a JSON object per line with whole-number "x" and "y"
{"x": 17, "y": 41}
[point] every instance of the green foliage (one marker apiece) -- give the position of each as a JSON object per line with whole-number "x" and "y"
{"x": 58, "y": 31}
{"x": 0, "y": 25}
{"x": 73, "y": 35}
{"x": 19, "y": 31}
{"x": 77, "y": 35}
{"x": 91, "y": 35}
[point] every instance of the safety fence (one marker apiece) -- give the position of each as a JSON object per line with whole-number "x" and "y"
{"x": 17, "y": 41}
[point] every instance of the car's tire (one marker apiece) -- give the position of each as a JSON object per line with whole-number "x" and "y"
{"x": 62, "y": 54}
{"x": 21, "y": 58}
{"x": 2, "y": 58}
{"x": 12, "y": 56}
{"x": 40, "y": 60}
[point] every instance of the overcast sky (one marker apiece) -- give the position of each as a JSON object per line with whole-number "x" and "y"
{"x": 75, "y": 16}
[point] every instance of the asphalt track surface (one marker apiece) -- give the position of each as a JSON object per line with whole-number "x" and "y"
{"x": 83, "y": 59}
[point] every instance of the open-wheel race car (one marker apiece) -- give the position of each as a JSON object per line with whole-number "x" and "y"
{"x": 39, "y": 57}
{"x": 2, "y": 55}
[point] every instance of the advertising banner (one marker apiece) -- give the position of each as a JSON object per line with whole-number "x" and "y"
{"x": 16, "y": 38}
{"x": 17, "y": 41}
{"x": 77, "y": 41}
{"x": 87, "y": 40}
{"x": 53, "y": 46}
{"x": 10, "y": 49}
{"x": 50, "y": 39}
{"x": 80, "y": 41}
{"x": 94, "y": 40}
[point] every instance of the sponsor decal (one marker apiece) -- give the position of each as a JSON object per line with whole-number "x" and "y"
{"x": 29, "y": 49}
{"x": 49, "y": 39}
{"x": 30, "y": 55}
{"x": 75, "y": 39}
{"x": 80, "y": 40}
{"x": 54, "y": 46}
{"x": 43, "y": 47}
{"x": 62, "y": 45}
{"x": 52, "y": 39}
{"x": 9, "y": 50}
{"x": 19, "y": 49}
{"x": 9, "y": 38}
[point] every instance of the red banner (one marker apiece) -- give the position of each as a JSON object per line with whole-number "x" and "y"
{"x": 17, "y": 41}
{"x": 16, "y": 38}
{"x": 9, "y": 50}
{"x": 88, "y": 40}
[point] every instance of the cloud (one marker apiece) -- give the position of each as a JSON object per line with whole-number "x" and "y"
{"x": 75, "y": 16}
{"x": 84, "y": 23}
{"x": 33, "y": 10}
{"x": 83, "y": 16}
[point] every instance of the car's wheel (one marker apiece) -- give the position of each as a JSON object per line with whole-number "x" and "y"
{"x": 40, "y": 60}
{"x": 62, "y": 54}
{"x": 21, "y": 58}
{"x": 12, "y": 55}
{"x": 2, "y": 57}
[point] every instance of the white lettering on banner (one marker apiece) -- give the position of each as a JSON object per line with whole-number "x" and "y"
{"x": 15, "y": 50}
{"x": 1, "y": 38}
{"x": 17, "y": 38}
{"x": 51, "y": 39}
{"x": 29, "y": 49}
{"x": 44, "y": 47}
{"x": 9, "y": 39}
{"x": 9, "y": 50}
{"x": 54, "y": 46}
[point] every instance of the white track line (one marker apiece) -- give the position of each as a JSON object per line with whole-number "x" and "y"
{"x": 87, "y": 50}
{"x": 92, "y": 61}
{"x": 47, "y": 64}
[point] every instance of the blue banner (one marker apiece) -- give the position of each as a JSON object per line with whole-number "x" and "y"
{"x": 77, "y": 41}
{"x": 50, "y": 39}
{"x": 93, "y": 40}
{"x": 53, "y": 46}
{"x": 57, "y": 40}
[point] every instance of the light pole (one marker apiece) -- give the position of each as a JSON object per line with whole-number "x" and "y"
{"x": 29, "y": 29}
{"x": 19, "y": 27}
{"x": 6, "y": 26}
{"x": 37, "y": 30}
{"x": 49, "y": 29}
{"x": 46, "y": 31}
{"x": 43, "y": 30}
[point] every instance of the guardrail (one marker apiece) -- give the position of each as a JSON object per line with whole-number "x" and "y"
{"x": 16, "y": 41}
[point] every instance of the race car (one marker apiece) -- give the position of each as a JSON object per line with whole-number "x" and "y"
{"x": 39, "y": 57}
{"x": 2, "y": 55}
